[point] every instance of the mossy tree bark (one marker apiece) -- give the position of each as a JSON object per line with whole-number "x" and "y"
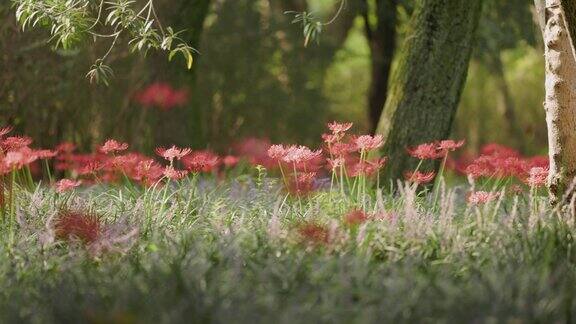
{"x": 558, "y": 22}
{"x": 428, "y": 81}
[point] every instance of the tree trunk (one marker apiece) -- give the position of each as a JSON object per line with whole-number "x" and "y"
{"x": 427, "y": 84}
{"x": 506, "y": 102}
{"x": 382, "y": 42}
{"x": 188, "y": 16}
{"x": 560, "y": 101}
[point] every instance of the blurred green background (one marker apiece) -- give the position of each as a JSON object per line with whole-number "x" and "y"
{"x": 254, "y": 78}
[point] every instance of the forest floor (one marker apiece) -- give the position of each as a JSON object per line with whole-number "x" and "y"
{"x": 243, "y": 251}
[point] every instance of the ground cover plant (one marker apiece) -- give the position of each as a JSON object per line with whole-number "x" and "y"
{"x": 283, "y": 233}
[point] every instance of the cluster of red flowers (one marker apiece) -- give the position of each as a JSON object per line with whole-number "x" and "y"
{"x": 78, "y": 226}
{"x": 342, "y": 154}
{"x": 435, "y": 150}
{"x": 162, "y": 96}
{"x": 498, "y": 161}
{"x": 15, "y": 152}
{"x": 110, "y": 163}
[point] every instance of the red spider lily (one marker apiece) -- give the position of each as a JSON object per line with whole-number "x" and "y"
{"x": 426, "y": 151}
{"x": 277, "y": 152}
{"x": 201, "y": 161}
{"x": 148, "y": 172}
{"x": 366, "y": 168}
{"x": 66, "y": 185}
{"x": 314, "y": 233}
{"x": 342, "y": 149}
{"x": 173, "y": 174}
{"x": 230, "y": 161}
{"x": 5, "y": 130}
{"x": 368, "y": 143}
{"x": 338, "y": 128}
{"x": 45, "y": 154}
{"x": 163, "y": 96}
{"x": 19, "y": 158}
{"x": 500, "y": 166}
{"x": 336, "y": 164}
{"x": 78, "y": 225}
{"x": 482, "y": 197}
{"x": 90, "y": 168}
{"x": 173, "y": 153}
{"x": 537, "y": 177}
{"x": 332, "y": 138}
{"x": 113, "y": 146}
{"x": 538, "y": 161}
{"x": 355, "y": 217}
{"x": 15, "y": 142}
{"x": 419, "y": 177}
{"x": 450, "y": 145}
{"x": 498, "y": 150}
{"x": 299, "y": 154}
{"x": 303, "y": 184}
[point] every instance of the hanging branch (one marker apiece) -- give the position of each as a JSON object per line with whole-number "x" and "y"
{"x": 311, "y": 25}
{"x": 71, "y": 22}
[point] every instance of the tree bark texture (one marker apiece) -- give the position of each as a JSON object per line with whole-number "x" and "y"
{"x": 428, "y": 81}
{"x": 560, "y": 101}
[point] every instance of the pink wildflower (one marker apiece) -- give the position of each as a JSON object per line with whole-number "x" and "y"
{"x": 66, "y": 185}
{"x": 482, "y": 197}
{"x": 419, "y": 177}
{"x": 112, "y": 146}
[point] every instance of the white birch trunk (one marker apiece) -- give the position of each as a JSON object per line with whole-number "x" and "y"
{"x": 560, "y": 101}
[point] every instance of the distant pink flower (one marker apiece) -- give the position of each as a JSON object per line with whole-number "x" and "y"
{"x": 276, "y": 152}
{"x": 163, "y": 96}
{"x": 18, "y": 158}
{"x": 66, "y": 185}
{"x": 450, "y": 145}
{"x": 368, "y": 143}
{"x": 173, "y": 174}
{"x": 45, "y": 154}
{"x": 537, "y": 177}
{"x": 499, "y": 150}
{"x": 299, "y": 154}
{"x": 482, "y": 197}
{"x": 112, "y": 146}
{"x": 90, "y": 167}
{"x": 342, "y": 149}
{"x": 230, "y": 161}
{"x": 355, "y": 217}
{"x": 338, "y": 128}
{"x": 201, "y": 161}
{"x": 173, "y": 153}
{"x": 303, "y": 184}
{"x": 15, "y": 142}
{"x": 313, "y": 233}
{"x": 419, "y": 177}
{"x": 332, "y": 138}
{"x": 426, "y": 151}
{"x": 336, "y": 164}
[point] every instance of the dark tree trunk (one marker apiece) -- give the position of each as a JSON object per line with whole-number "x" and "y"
{"x": 427, "y": 84}
{"x": 382, "y": 42}
{"x": 189, "y": 16}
